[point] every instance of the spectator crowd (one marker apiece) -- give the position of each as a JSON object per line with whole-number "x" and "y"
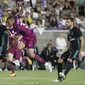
{"x": 47, "y": 14}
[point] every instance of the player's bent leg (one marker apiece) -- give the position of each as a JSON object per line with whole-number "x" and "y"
{"x": 18, "y": 54}
{"x": 10, "y": 59}
{"x": 59, "y": 70}
{"x": 25, "y": 58}
{"x": 21, "y": 45}
{"x": 31, "y": 53}
{"x": 68, "y": 68}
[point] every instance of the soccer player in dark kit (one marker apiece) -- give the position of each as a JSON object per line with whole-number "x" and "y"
{"x": 3, "y": 45}
{"x": 74, "y": 49}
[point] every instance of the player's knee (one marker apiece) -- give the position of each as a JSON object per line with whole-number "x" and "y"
{"x": 10, "y": 57}
{"x": 60, "y": 60}
{"x": 20, "y": 47}
{"x": 32, "y": 55}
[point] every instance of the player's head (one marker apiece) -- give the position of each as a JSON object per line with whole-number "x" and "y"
{"x": 69, "y": 22}
{"x": 10, "y": 21}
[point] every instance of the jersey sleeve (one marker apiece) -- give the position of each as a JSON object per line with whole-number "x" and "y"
{"x": 3, "y": 28}
{"x": 78, "y": 33}
{"x": 24, "y": 30}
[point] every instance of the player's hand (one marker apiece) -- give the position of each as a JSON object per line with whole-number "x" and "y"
{"x": 79, "y": 56}
{"x": 60, "y": 60}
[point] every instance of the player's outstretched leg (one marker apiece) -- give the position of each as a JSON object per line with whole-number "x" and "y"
{"x": 68, "y": 68}
{"x": 47, "y": 65}
{"x": 59, "y": 70}
{"x": 31, "y": 54}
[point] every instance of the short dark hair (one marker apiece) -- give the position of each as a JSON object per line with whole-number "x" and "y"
{"x": 71, "y": 19}
{"x": 10, "y": 17}
{"x": 49, "y": 44}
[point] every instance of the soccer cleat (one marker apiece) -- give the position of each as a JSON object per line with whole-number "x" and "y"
{"x": 0, "y": 69}
{"x": 29, "y": 61}
{"x": 62, "y": 75}
{"x": 12, "y": 75}
{"x": 16, "y": 62}
{"x": 56, "y": 80}
{"x": 48, "y": 66}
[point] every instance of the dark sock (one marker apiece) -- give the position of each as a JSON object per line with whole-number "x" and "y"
{"x": 79, "y": 62}
{"x": 59, "y": 69}
{"x": 21, "y": 66}
{"x": 11, "y": 66}
{"x": 41, "y": 60}
{"x": 68, "y": 67}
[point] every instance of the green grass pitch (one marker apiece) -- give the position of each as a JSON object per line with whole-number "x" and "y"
{"x": 42, "y": 77}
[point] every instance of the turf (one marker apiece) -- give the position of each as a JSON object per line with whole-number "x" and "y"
{"x": 75, "y": 77}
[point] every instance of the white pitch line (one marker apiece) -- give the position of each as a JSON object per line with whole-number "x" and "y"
{"x": 15, "y": 78}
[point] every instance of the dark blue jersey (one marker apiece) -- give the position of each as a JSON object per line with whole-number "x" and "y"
{"x": 74, "y": 35}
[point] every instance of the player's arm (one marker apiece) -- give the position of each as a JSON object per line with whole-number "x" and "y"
{"x": 81, "y": 44}
{"x": 19, "y": 37}
{"x": 80, "y": 36}
{"x": 81, "y": 48}
{"x": 68, "y": 42}
{"x": 68, "y": 45}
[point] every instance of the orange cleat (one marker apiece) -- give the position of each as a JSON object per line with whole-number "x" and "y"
{"x": 29, "y": 61}
{"x": 12, "y": 75}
